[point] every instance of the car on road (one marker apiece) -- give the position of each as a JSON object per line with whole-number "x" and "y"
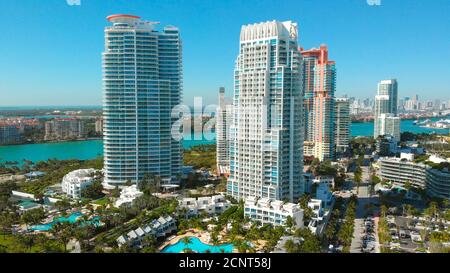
{"x": 368, "y": 237}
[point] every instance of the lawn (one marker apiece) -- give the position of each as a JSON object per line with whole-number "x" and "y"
{"x": 102, "y": 201}
{"x": 12, "y": 244}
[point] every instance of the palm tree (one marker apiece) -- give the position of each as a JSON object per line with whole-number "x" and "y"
{"x": 357, "y": 180}
{"x": 214, "y": 238}
{"x": 158, "y": 183}
{"x": 27, "y": 240}
{"x": 186, "y": 240}
{"x": 83, "y": 234}
{"x": 289, "y": 222}
{"x": 290, "y": 246}
{"x": 63, "y": 232}
{"x": 5, "y": 223}
{"x": 39, "y": 196}
{"x": 383, "y": 210}
{"x": 188, "y": 250}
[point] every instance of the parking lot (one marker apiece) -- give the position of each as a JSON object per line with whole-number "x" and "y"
{"x": 366, "y": 238}
{"x": 404, "y": 236}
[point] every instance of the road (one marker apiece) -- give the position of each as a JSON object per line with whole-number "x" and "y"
{"x": 364, "y": 199}
{"x": 8, "y": 177}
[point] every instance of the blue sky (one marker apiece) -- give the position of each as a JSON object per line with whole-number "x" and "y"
{"x": 51, "y": 51}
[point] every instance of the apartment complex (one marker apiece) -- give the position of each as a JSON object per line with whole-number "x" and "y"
{"x": 319, "y": 84}
{"x": 223, "y": 122}
{"x": 99, "y": 125}
{"x": 157, "y": 228}
{"x": 266, "y": 148}
{"x": 64, "y": 128}
{"x": 342, "y": 124}
{"x": 386, "y": 145}
{"x": 388, "y": 124}
{"x": 10, "y": 134}
{"x": 127, "y": 196}
{"x": 385, "y": 116}
{"x": 273, "y": 212}
{"x": 435, "y": 181}
{"x": 211, "y": 205}
{"x": 142, "y": 76}
{"x": 75, "y": 182}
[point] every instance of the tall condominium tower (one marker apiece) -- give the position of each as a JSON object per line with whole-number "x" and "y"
{"x": 341, "y": 124}
{"x": 223, "y": 120}
{"x": 386, "y": 102}
{"x": 389, "y": 88}
{"x": 266, "y": 149}
{"x": 142, "y": 76}
{"x": 319, "y": 83}
{"x": 388, "y": 124}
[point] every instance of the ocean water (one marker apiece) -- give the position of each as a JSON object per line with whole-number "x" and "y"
{"x": 94, "y": 148}
{"x": 83, "y": 150}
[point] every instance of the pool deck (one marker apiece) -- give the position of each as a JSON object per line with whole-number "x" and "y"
{"x": 200, "y": 234}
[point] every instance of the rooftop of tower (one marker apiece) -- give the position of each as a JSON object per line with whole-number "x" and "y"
{"x": 320, "y": 53}
{"x": 269, "y": 29}
{"x": 127, "y": 20}
{"x": 391, "y": 81}
{"x": 122, "y": 18}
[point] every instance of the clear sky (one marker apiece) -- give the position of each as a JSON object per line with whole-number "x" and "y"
{"x": 51, "y": 51}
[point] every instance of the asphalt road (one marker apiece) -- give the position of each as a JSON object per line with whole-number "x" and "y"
{"x": 364, "y": 199}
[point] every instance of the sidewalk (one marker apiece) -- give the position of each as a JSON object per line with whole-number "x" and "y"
{"x": 355, "y": 247}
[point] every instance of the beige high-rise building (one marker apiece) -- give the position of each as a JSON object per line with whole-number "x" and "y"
{"x": 341, "y": 124}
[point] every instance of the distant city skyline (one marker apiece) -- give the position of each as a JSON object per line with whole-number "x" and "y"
{"x": 58, "y": 61}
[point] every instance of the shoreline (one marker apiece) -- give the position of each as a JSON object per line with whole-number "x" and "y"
{"x": 52, "y": 142}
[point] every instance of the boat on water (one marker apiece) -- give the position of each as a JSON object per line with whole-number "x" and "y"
{"x": 425, "y": 122}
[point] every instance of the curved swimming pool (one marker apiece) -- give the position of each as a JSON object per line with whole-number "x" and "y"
{"x": 197, "y": 246}
{"x": 71, "y": 219}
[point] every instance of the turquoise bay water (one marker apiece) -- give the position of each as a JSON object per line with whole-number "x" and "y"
{"x": 197, "y": 246}
{"x": 366, "y": 128}
{"x": 71, "y": 219}
{"x": 94, "y": 148}
{"x": 83, "y": 150}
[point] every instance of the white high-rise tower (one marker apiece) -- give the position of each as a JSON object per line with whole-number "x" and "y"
{"x": 142, "y": 76}
{"x": 266, "y": 148}
{"x": 386, "y": 102}
{"x": 341, "y": 124}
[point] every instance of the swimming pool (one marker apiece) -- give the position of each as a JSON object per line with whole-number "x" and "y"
{"x": 197, "y": 246}
{"x": 71, "y": 219}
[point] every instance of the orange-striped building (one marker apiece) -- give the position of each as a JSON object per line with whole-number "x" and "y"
{"x": 319, "y": 85}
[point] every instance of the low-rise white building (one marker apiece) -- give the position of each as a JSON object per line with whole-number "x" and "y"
{"x": 160, "y": 227}
{"x": 212, "y": 205}
{"x": 74, "y": 182}
{"x": 274, "y": 212}
{"x": 127, "y": 196}
{"x": 324, "y": 179}
{"x": 434, "y": 179}
{"x": 320, "y": 216}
